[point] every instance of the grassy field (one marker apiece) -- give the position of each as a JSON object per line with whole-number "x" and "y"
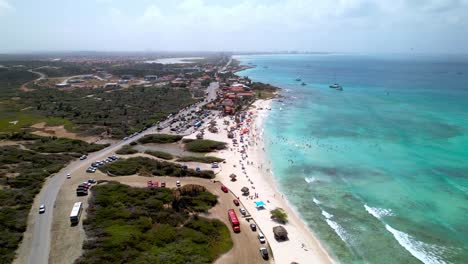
{"x": 204, "y": 145}
{"x": 151, "y": 167}
{"x": 159, "y": 138}
{"x": 205, "y": 159}
{"x": 139, "y": 225}
{"x": 22, "y": 173}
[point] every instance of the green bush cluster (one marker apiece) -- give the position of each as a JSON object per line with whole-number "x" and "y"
{"x": 204, "y": 145}
{"x": 139, "y": 225}
{"x": 159, "y": 138}
{"x": 59, "y": 145}
{"x": 143, "y": 165}
{"x": 204, "y": 159}
{"x": 160, "y": 154}
{"x": 126, "y": 150}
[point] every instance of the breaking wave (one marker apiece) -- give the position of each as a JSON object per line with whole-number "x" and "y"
{"x": 378, "y": 212}
{"x": 310, "y": 180}
{"x": 426, "y": 253}
{"x": 339, "y": 230}
{"x": 316, "y": 201}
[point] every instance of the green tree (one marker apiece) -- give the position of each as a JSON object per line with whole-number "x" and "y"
{"x": 279, "y": 215}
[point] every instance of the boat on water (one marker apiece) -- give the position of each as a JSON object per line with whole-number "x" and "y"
{"x": 337, "y": 87}
{"x": 303, "y": 84}
{"x": 298, "y": 80}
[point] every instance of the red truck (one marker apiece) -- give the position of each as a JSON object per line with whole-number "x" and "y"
{"x": 233, "y": 220}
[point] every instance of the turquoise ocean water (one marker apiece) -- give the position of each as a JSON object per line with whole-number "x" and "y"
{"x": 379, "y": 171}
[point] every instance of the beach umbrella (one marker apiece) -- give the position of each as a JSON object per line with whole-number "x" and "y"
{"x": 232, "y": 176}
{"x": 244, "y": 189}
{"x": 280, "y": 233}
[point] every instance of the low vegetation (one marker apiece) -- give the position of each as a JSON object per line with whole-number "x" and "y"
{"x": 151, "y": 167}
{"x": 159, "y": 138}
{"x": 160, "y": 154}
{"x": 204, "y": 145}
{"x": 139, "y": 225}
{"x": 22, "y": 173}
{"x": 59, "y": 145}
{"x": 126, "y": 150}
{"x": 204, "y": 159}
{"x": 264, "y": 90}
{"x": 279, "y": 215}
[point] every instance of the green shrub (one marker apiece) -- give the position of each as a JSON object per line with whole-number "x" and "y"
{"x": 126, "y": 150}
{"x": 205, "y": 159}
{"x": 160, "y": 154}
{"x": 159, "y": 138}
{"x": 204, "y": 145}
{"x": 279, "y": 215}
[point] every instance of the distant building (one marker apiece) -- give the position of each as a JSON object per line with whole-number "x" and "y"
{"x": 111, "y": 85}
{"x": 62, "y": 85}
{"x": 151, "y": 77}
{"x": 128, "y": 77}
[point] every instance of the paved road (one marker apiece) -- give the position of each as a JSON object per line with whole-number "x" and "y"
{"x": 36, "y": 251}
{"x": 41, "y": 75}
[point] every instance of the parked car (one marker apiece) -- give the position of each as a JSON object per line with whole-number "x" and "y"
{"x": 242, "y": 211}
{"x": 42, "y": 209}
{"x": 68, "y": 176}
{"x": 224, "y": 188}
{"x": 261, "y": 238}
{"x": 178, "y": 183}
{"x": 83, "y": 157}
{"x": 163, "y": 184}
{"x": 253, "y": 227}
{"x": 215, "y": 165}
{"x": 236, "y": 202}
{"x": 91, "y": 181}
{"x": 264, "y": 253}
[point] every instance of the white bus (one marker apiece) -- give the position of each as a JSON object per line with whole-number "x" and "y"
{"x": 76, "y": 213}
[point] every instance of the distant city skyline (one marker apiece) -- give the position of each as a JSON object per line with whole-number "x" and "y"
{"x": 432, "y": 26}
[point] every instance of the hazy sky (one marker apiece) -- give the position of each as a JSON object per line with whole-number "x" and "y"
{"x": 254, "y": 25}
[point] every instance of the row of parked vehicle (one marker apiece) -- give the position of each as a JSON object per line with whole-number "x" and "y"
{"x": 83, "y": 187}
{"x": 253, "y": 227}
{"x": 99, "y": 163}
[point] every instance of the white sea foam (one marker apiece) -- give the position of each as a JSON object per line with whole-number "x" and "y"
{"x": 338, "y": 229}
{"x": 310, "y": 179}
{"x": 316, "y": 201}
{"x": 426, "y": 253}
{"x": 326, "y": 214}
{"x": 378, "y": 212}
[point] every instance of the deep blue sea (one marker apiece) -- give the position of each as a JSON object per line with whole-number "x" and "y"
{"x": 379, "y": 170}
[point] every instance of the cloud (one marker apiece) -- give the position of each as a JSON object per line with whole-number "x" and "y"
{"x": 5, "y": 7}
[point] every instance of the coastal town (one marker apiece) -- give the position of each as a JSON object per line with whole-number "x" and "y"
{"x": 224, "y": 121}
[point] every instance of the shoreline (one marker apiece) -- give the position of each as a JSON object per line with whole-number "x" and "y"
{"x": 303, "y": 246}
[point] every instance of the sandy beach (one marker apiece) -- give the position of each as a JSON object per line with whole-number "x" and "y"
{"x": 247, "y": 160}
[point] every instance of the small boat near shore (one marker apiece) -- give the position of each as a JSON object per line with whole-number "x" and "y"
{"x": 337, "y": 87}
{"x": 303, "y": 84}
{"x": 298, "y": 80}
